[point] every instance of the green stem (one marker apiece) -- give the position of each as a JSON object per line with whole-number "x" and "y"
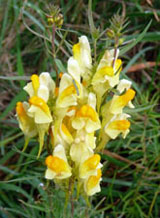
{"x": 104, "y": 140}
{"x": 95, "y": 50}
{"x": 115, "y": 50}
{"x": 53, "y": 54}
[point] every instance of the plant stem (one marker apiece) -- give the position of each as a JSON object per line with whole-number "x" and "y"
{"x": 53, "y": 54}
{"x": 115, "y": 51}
{"x": 71, "y": 188}
{"x": 72, "y": 207}
{"x": 95, "y": 50}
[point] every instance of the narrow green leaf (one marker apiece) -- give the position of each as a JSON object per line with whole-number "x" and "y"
{"x": 60, "y": 65}
{"x": 19, "y": 97}
{"x": 12, "y": 78}
{"x": 37, "y": 22}
{"x": 11, "y": 187}
{"x": 138, "y": 39}
{"x": 4, "y": 24}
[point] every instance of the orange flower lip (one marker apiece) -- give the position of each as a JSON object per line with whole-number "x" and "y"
{"x": 123, "y": 100}
{"x": 93, "y": 180}
{"x": 106, "y": 71}
{"x": 87, "y": 111}
{"x": 56, "y": 164}
{"x": 68, "y": 91}
{"x": 92, "y": 162}
{"x": 39, "y": 102}
{"x": 20, "y": 109}
{"x": 119, "y": 125}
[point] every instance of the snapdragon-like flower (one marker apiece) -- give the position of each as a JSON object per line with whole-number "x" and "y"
{"x": 77, "y": 116}
{"x": 57, "y": 164}
{"x": 86, "y": 116}
{"x": 92, "y": 184}
{"x": 89, "y": 166}
{"x": 26, "y": 123}
{"x": 118, "y": 124}
{"x": 38, "y": 115}
{"x": 82, "y": 54}
{"x": 67, "y": 95}
{"x": 107, "y": 75}
{"x": 42, "y": 86}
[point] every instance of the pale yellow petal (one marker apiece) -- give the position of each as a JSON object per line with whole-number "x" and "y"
{"x": 92, "y": 185}
{"x": 29, "y": 89}
{"x": 80, "y": 150}
{"x": 39, "y": 115}
{"x": 119, "y": 102}
{"x": 43, "y": 93}
{"x": 50, "y": 174}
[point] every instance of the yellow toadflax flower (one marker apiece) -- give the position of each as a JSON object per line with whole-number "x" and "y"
{"x": 107, "y": 75}
{"x": 62, "y": 135}
{"x": 92, "y": 184}
{"x": 89, "y": 166}
{"x": 39, "y": 110}
{"x": 118, "y": 124}
{"x": 42, "y": 86}
{"x": 87, "y": 117}
{"x": 57, "y": 165}
{"x": 40, "y": 89}
{"x": 82, "y": 146}
{"x": 26, "y": 123}
{"x": 41, "y": 114}
{"x": 125, "y": 85}
{"x": 67, "y": 92}
{"x": 117, "y": 103}
{"x": 75, "y": 71}
{"x": 82, "y": 54}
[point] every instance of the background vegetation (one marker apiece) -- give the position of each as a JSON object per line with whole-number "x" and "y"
{"x": 131, "y": 173}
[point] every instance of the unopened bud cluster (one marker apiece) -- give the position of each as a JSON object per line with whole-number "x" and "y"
{"x": 55, "y": 17}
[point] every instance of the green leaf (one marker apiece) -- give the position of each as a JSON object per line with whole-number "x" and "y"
{"x": 12, "y": 78}
{"x": 31, "y": 17}
{"x": 60, "y": 65}
{"x": 138, "y": 39}
{"x": 11, "y": 187}
{"x": 113, "y": 160}
{"x": 19, "y": 97}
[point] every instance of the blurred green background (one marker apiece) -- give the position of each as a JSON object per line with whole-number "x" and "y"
{"x": 131, "y": 172}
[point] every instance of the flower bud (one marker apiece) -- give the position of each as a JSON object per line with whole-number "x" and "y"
{"x": 110, "y": 33}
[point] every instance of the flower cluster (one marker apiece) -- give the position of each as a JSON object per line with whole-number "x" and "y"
{"x": 80, "y": 115}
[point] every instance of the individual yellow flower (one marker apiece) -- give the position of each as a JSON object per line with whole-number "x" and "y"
{"x": 26, "y": 123}
{"x": 82, "y": 54}
{"x": 92, "y": 184}
{"x": 67, "y": 92}
{"x": 89, "y": 166}
{"x": 41, "y": 114}
{"x": 42, "y": 86}
{"x": 39, "y": 110}
{"x": 118, "y": 124}
{"x": 107, "y": 75}
{"x": 75, "y": 71}
{"x": 82, "y": 146}
{"x": 117, "y": 103}
{"x": 62, "y": 135}
{"x": 57, "y": 164}
{"x": 125, "y": 85}
{"x": 86, "y": 116}
{"x": 78, "y": 150}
